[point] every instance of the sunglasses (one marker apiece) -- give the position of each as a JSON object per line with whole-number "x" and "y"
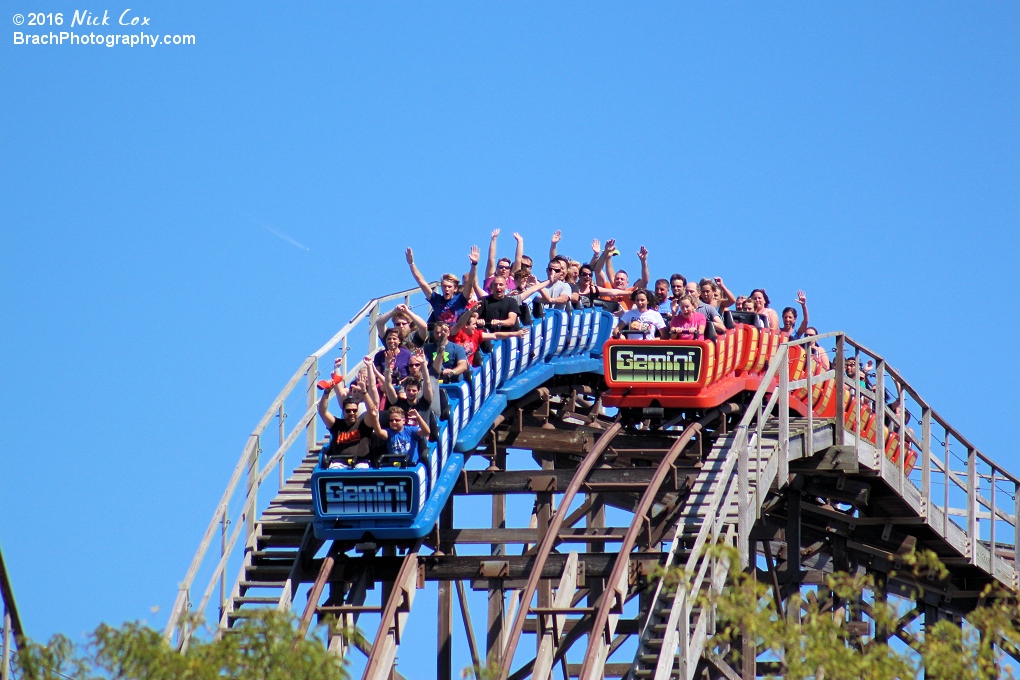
{"x": 502, "y": 266}
{"x": 526, "y": 264}
{"x": 350, "y": 410}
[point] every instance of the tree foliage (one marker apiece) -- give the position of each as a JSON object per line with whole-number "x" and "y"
{"x": 264, "y": 647}
{"x": 812, "y": 639}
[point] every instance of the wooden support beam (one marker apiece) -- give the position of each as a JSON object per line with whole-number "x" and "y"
{"x": 494, "y": 630}
{"x": 835, "y": 459}
{"x": 549, "y": 635}
{"x": 444, "y": 623}
{"x": 467, "y": 567}
{"x": 394, "y": 619}
{"x": 595, "y": 521}
{"x": 793, "y": 543}
{"x": 578, "y": 442}
{"x": 626, "y": 480}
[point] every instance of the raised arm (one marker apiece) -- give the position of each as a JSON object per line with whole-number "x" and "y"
{"x": 421, "y": 328}
{"x": 380, "y": 324}
{"x": 462, "y": 321}
{"x": 372, "y": 420}
{"x": 426, "y": 383}
{"x": 422, "y": 423}
{"x": 602, "y": 261}
{"x": 552, "y": 245}
{"x": 642, "y": 254}
{"x": 728, "y": 298}
{"x": 596, "y": 249}
{"x": 371, "y": 389}
{"x": 327, "y": 418}
{"x": 490, "y": 266}
{"x": 472, "y": 276}
{"x": 437, "y": 361}
{"x": 422, "y": 283}
{"x": 387, "y": 381}
{"x": 802, "y": 299}
{"x": 518, "y": 254}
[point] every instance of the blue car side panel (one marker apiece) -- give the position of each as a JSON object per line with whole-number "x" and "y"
{"x": 480, "y": 424}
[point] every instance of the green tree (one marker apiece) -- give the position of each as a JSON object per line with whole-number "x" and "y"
{"x": 814, "y": 641}
{"x": 264, "y": 647}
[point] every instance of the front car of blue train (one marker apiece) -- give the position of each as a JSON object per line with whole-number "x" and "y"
{"x": 404, "y": 502}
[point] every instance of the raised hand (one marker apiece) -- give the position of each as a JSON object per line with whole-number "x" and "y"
{"x": 718, "y": 281}
{"x": 801, "y": 298}
{"x": 409, "y": 255}
{"x": 556, "y": 236}
{"x": 401, "y": 308}
{"x": 495, "y": 235}
{"x": 596, "y": 247}
{"x": 518, "y": 237}
{"x": 610, "y": 245}
{"x": 474, "y": 254}
{"x": 412, "y": 416}
{"x": 368, "y": 361}
{"x": 642, "y": 253}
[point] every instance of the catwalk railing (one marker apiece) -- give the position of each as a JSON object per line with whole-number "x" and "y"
{"x": 952, "y": 481}
{"x": 12, "y": 631}
{"x": 242, "y": 501}
{"x": 961, "y": 493}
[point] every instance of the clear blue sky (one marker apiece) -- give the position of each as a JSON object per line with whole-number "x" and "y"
{"x": 181, "y": 225}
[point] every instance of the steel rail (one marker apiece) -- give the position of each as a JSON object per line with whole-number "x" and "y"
{"x": 546, "y": 546}
{"x": 598, "y": 645}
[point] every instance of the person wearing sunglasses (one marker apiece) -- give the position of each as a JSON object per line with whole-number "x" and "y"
{"x": 504, "y": 266}
{"x": 620, "y": 279}
{"x": 588, "y": 292}
{"x": 348, "y": 436}
{"x": 558, "y": 294}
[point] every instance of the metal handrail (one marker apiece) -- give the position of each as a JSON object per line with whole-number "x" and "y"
{"x": 249, "y": 461}
{"x": 11, "y": 621}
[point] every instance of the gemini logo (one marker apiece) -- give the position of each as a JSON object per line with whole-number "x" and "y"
{"x": 390, "y": 496}
{"x": 650, "y": 364}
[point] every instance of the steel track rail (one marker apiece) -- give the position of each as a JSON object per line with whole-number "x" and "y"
{"x": 603, "y": 626}
{"x": 546, "y": 546}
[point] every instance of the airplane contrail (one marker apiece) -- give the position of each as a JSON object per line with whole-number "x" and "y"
{"x": 286, "y": 238}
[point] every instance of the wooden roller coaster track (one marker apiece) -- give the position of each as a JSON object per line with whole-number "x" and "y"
{"x": 799, "y": 496}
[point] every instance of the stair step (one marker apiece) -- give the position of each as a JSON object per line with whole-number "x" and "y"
{"x": 260, "y": 584}
{"x": 256, "y": 600}
{"x": 274, "y": 555}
